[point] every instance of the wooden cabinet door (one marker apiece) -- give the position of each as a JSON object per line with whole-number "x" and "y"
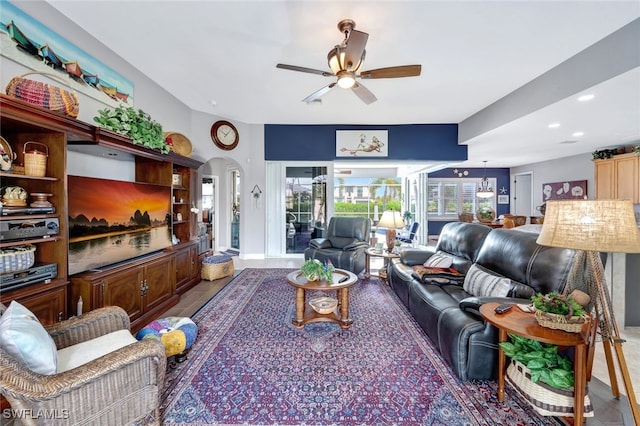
{"x": 183, "y": 268}
{"x": 124, "y": 289}
{"x": 49, "y": 307}
{"x": 626, "y": 178}
{"x": 604, "y": 177}
{"x": 160, "y": 281}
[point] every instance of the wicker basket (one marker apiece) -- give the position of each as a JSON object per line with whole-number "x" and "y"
{"x": 216, "y": 267}
{"x": 545, "y": 400}
{"x": 179, "y": 143}
{"x": 17, "y": 258}
{"x": 572, "y": 324}
{"x": 35, "y": 161}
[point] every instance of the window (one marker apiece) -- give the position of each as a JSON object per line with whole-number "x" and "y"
{"x": 450, "y": 197}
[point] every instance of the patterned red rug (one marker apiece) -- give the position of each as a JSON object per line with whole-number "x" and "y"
{"x": 250, "y": 366}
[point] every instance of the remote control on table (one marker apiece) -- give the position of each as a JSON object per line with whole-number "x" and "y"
{"x": 501, "y": 309}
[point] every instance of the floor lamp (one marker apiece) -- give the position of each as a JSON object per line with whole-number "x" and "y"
{"x": 594, "y": 226}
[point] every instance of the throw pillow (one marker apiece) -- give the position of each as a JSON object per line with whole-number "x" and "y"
{"x": 438, "y": 260}
{"x": 23, "y": 337}
{"x": 438, "y": 276}
{"x": 480, "y": 283}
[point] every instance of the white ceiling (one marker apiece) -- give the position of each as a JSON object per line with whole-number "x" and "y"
{"x": 473, "y": 53}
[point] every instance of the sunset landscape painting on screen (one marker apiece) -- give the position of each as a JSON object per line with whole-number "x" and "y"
{"x": 111, "y": 221}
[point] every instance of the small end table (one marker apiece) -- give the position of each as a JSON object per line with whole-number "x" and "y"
{"x": 525, "y": 324}
{"x": 342, "y": 280}
{"x": 371, "y": 252}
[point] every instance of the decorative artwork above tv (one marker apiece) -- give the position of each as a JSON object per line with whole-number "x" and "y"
{"x": 111, "y": 221}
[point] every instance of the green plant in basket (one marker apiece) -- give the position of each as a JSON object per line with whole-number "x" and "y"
{"x": 135, "y": 124}
{"x": 556, "y": 303}
{"x": 542, "y": 359}
{"x": 314, "y": 270}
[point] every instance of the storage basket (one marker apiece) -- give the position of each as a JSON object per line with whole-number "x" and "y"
{"x": 17, "y": 258}
{"x": 216, "y": 267}
{"x": 572, "y": 324}
{"x": 35, "y": 161}
{"x": 44, "y": 95}
{"x": 545, "y": 400}
{"x": 178, "y": 143}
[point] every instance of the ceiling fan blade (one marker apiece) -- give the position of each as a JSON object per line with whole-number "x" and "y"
{"x": 303, "y": 69}
{"x": 355, "y": 49}
{"x": 364, "y": 94}
{"x": 318, "y": 93}
{"x": 393, "y": 72}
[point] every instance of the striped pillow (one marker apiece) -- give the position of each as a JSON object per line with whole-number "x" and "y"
{"x": 438, "y": 260}
{"x": 480, "y": 283}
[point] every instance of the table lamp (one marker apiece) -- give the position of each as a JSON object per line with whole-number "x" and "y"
{"x": 391, "y": 220}
{"x": 594, "y": 226}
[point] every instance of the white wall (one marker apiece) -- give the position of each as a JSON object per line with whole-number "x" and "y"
{"x": 577, "y": 167}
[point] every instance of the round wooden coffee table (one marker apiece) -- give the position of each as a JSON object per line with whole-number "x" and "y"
{"x": 305, "y": 314}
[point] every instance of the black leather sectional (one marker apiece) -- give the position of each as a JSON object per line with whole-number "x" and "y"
{"x": 449, "y": 315}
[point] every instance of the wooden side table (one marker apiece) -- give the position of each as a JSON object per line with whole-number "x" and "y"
{"x": 524, "y": 324}
{"x": 371, "y": 252}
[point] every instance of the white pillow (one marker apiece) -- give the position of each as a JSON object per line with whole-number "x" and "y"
{"x": 438, "y": 260}
{"x": 23, "y": 337}
{"x": 480, "y": 283}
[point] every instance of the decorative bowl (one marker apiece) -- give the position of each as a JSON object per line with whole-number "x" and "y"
{"x": 323, "y": 305}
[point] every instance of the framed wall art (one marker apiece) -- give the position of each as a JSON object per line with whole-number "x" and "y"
{"x": 575, "y": 189}
{"x": 32, "y": 44}
{"x": 362, "y": 143}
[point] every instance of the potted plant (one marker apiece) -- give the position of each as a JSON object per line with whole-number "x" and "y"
{"x": 542, "y": 360}
{"x": 135, "y": 124}
{"x": 314, "y": 270}
{"x": 557, "y": 311}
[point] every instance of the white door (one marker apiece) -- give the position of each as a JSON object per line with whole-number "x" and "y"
{"x": 522, "y": 202}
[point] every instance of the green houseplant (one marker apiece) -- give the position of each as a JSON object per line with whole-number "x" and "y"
{"x": 314, "y": 270}
{"x": 555, "y": 303}
{"x": 543, "y": 361}
{"x": 136, "y": 124}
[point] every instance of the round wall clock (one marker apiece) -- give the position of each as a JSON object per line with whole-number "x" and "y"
{"x": 224, "y": 135}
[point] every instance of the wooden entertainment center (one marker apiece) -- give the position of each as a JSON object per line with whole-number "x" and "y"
{"x": 146, "y": 286}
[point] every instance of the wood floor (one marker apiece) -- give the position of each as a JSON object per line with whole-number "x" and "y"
{"x": 608, "y": 410}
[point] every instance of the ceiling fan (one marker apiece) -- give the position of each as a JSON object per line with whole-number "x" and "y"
{"x": 345, "y": 61}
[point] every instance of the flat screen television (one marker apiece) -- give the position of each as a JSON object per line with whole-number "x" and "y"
{"x": 111, "y": 221}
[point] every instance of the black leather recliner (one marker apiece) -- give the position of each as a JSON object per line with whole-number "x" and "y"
{"x": 344, "y": 244}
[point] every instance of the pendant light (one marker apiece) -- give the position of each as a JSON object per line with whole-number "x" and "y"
{"x": 485, "y": 190}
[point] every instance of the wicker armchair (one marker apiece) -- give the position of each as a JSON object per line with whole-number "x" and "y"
{"x": 119, "y": 388}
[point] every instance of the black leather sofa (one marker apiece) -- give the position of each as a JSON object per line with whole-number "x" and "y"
{"x": 344, "y": 244}
{"x": 449, "y": 315}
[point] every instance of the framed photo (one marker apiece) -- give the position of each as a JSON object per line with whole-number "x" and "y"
{"x": 361, "y": 143}
{"x": 503, "y": 199}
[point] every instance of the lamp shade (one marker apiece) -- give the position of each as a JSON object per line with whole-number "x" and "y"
{"x": 594, "y": 225}
{"x": 391, "y": 220}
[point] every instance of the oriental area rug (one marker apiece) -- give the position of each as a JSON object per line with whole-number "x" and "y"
{"x": 251, "y": 366}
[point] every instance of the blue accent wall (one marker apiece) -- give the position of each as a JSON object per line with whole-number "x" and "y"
{"x": 414, "y": 142}
{"x": 502, "y": 176}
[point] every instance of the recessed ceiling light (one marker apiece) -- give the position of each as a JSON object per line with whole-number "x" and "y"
{"x": 213, "y": 102}
{"x": 585, "y": 98}
{"x": 577, "y": 134}
{"x": 568, "y": 142}
{"x": 554, "y": 125}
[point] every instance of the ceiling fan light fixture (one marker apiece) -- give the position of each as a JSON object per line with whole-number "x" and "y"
{"x": 346, "y": 79}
